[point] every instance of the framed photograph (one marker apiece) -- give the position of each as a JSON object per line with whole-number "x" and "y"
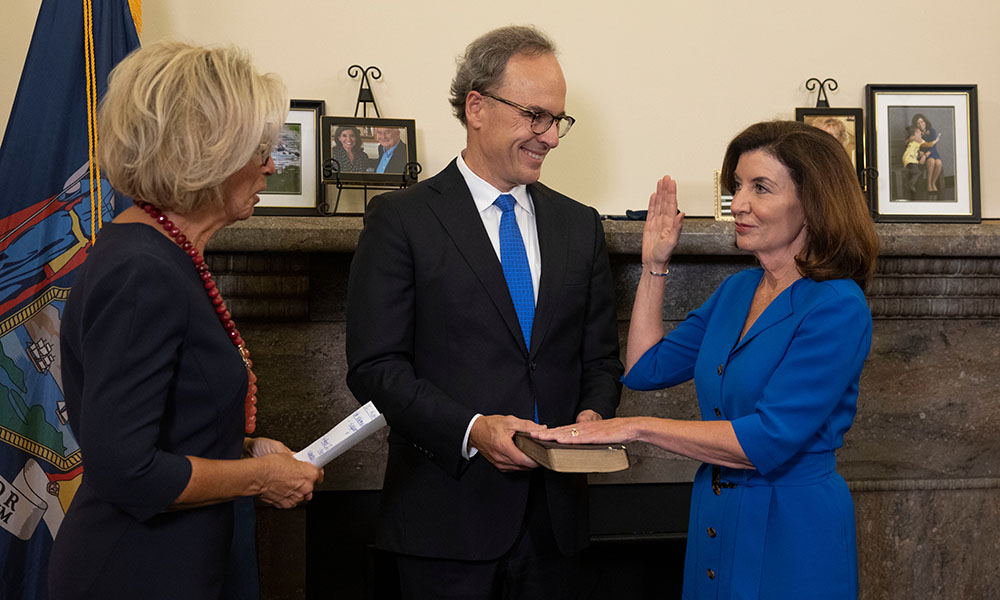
{"x": 845, "y": 124}
{"x": 723, "y": 200}
{"x": 923, "y": 144}
{"x": 295, "y": 188}
{"x": 363, "y": 150}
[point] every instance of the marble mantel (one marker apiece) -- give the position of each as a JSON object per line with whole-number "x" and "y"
{"x": 701, "y": 236}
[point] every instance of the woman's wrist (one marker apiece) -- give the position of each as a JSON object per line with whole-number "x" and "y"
{"x": 656, "y": 269}
{"x": 637, "y": 429}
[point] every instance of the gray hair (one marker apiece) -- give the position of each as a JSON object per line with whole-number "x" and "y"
{"x": 482, "y": 67}
{"x": 177, "y": 120}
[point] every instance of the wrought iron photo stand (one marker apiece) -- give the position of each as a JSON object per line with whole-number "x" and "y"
{"x": 333, "y": 174}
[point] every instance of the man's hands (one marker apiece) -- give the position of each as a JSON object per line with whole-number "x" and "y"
{"x": 493, "y": 436}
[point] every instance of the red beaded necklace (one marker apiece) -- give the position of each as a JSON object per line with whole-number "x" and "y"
{"x": 250, "y": 405}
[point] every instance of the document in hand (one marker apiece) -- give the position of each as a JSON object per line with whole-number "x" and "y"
{"x": 361, "y": 424}
{"x": 574, "y": 458}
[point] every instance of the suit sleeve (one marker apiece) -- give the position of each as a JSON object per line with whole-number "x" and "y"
{"x": 132, "y": 330}
{"x": 381, "y": 316}
{"x": 600, "y": 385}
{"x": 823, "y": 360}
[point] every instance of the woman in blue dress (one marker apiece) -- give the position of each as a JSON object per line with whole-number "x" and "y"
{"x": 776, "y": 354}
{"x": 931, "y": 138}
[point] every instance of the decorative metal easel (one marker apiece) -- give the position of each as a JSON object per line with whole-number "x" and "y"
{"x": 331, "y": 168}
{"x": 821, "y": 99}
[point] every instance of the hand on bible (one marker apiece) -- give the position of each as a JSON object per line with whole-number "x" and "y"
{"x": 493, "y": 436}
{"x": 607, "y": 431}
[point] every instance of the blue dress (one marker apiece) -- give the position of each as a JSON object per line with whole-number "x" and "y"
{"x": 930, "y": 136}
{"x": 790, "y": 388}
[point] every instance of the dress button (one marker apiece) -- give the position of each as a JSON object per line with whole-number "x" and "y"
{"x": 711, "y": 532}
{"x": 718, "y": 412}
{"x": 711, "y": 574}
{"x": 720, "y": 369}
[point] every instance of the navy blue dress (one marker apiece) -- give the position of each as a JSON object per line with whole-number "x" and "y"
{"x": 149, "y": 376}
{"x": 790, "y": 387}
{"x": 930, "y": 136}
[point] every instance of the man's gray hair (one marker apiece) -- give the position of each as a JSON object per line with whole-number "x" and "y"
{"x": 483, "y": 66}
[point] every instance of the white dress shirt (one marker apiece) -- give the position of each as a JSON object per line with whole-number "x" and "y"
{"x": 484, "y": 195}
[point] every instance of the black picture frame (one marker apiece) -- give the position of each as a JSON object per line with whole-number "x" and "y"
{"x": 297, "y": 161}
{"x": 399, "y": 171}
{"x": 900, "y": 190}
{"x": 845, "y": 124}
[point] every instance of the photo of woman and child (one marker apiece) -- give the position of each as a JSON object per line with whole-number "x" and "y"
{"x": 919, "y": 147}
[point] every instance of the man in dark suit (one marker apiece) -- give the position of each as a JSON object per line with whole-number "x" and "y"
{"x": 480, "y": 304}
{"x": 391, "y": 151}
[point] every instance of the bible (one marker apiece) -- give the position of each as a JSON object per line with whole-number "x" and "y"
{"x": 574, "y": 458}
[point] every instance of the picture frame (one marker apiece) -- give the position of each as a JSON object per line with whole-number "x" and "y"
{"x": 366, "y": 167}
{"x": 845, "y": 124}
{"x": 723, "y": 200}
{"x": 296, "y": 189}
{"x": 917, "y": 179}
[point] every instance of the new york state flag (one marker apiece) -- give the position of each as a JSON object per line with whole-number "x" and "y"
{"x": 51, "y": 201}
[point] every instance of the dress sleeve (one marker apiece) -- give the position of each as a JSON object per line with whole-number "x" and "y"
{"x": 132, "y": 330}
{"x": 671, "y": 360}
{"x": 822, "y": 362}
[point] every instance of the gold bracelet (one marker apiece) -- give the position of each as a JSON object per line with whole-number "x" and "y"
{"x": 658, "y": 273}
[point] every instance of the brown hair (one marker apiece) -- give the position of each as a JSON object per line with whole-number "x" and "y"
{"x": 484, "y": 63}
{"x": 841, "y": 242}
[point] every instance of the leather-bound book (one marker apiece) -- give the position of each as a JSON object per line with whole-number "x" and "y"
{"x": 574, "y": 458}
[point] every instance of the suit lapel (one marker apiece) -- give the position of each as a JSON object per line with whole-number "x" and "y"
{"x": 552, "y": 245}
{"x": 456, "y": 211}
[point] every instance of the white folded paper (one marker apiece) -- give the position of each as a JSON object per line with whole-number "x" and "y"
{"x": 344, "y": 435}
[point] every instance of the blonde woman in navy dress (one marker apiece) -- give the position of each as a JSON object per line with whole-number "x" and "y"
{"x": 776, "y": 354}
{"x": 157, "y": 378}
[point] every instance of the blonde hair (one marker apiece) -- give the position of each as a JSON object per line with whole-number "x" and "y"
{"x": 177, "y": 120}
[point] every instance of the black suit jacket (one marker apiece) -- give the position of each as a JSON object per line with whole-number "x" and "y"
{"x": 397, "y": 162}
{"x": 433, "y": 338}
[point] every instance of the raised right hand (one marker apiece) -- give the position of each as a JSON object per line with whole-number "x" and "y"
{"x": 493, "y": 436}
{"x": 288, "y": 481}
{"x": 663, "y": 225}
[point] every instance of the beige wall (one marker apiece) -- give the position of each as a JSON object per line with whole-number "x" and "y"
{"x": 656, "y": 87}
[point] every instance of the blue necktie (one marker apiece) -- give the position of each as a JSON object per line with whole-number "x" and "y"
{"x": 515, "y": 266}
{"x": 516, "y": 271}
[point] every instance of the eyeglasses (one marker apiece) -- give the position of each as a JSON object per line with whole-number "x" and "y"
{"x": 540, "y": 120}
{"x": 265, "y": 153}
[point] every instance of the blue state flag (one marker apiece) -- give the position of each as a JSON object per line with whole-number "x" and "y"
{"x": 47, "y": 215}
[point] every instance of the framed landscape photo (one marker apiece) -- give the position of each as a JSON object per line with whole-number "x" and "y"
{"x": 923, "y": 144}
{"x": 295, "y": 187}
{"x": 845, "y": 124}
{"x": 363, "y": 150}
